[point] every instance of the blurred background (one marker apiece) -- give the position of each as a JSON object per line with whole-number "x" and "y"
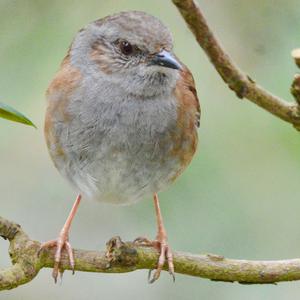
{"x": 240, "y": 196}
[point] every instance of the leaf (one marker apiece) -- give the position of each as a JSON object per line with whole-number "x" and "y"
{"x": 7, "y": 112}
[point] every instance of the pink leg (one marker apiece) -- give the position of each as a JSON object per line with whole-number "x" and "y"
{"x": 165, "y": 251}
{"x": 62, "y": 242}
{"x": 161, "y": 243}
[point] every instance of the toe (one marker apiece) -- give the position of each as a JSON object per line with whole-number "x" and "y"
{"x": 55, "y": 271}
{"x": 143, "y": 241}
{"x": 160, "y": 264}
{"x": 165, "y": 254}
{"x": 154, "y": 277}
{"x": 60, "y": 244}
{"x": 57, "y": 256}
{"x": 49, "y": 244}
{"x": 169, "y": 255}
{"x": 71, "y": 256}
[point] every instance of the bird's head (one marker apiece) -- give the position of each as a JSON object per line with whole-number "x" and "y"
{"x": 132, "y": 49}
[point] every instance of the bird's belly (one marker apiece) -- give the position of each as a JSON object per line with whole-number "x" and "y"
{"x": 122, "y": 177}
{"x": 125, "y": 156}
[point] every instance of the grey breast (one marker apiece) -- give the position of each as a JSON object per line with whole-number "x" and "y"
{"x": 117, "y": 147}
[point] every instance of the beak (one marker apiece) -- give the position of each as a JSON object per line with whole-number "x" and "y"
{"x": 165, "y": 59}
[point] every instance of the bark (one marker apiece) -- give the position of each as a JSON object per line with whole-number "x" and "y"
{"x": 237, "y": 80}
{"x": 121, "y": 257}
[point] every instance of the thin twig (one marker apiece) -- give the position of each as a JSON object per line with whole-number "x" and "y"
{"x": 237, "y": 80}
{"x": 295, "y": 88}
{"x": 296, "y": 56}
{"x": 123, "y": 257}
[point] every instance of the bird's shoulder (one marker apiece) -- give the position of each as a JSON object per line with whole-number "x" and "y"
{"x": 66, "y": 79}
{"x": 59, "y": 96}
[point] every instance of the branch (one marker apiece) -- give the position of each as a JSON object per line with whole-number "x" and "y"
{"x": 237, "y": 80}
{"x": 123, "y": 257}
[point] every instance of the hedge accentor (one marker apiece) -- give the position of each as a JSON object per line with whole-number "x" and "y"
{"x": 122, "y": 117}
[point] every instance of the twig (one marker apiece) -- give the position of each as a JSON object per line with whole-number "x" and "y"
{"x": 295, "y": 88}
{"x": 123, "y": 257}
{"x": 296, "y": 56}
{"x": 237, "y": 80}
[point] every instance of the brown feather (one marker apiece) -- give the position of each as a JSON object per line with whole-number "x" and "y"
{"x": 188, "y": 119}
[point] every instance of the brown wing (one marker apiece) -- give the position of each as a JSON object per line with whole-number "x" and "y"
{"x": 188, "y": 119}
{"x": 187, "y": 94}
{"x": 58, "y": 97}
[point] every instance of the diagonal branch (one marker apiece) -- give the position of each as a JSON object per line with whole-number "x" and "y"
{"x": 236, "y": 79}
{"x": 123, "y": 257}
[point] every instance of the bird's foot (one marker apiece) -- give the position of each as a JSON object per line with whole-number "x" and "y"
{"x": 62, "y": 242}
{"x": 166, "y": 254}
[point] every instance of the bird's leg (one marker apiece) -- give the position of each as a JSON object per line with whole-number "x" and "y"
{"x": 62, "y": 242}
{"x": 161, "y": 243}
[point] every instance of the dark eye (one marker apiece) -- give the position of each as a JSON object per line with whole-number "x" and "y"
{"x": 126, "y": 47}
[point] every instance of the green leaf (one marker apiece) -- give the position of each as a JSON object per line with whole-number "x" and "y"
{"x": 7, "y": 112}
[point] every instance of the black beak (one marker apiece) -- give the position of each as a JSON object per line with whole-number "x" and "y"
{"x": 165, "y": 59}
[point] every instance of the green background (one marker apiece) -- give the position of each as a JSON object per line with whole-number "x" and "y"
{"x": 240, "y": 196}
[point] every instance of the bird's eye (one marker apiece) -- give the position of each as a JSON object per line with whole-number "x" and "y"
{"x": 126, "y": 47}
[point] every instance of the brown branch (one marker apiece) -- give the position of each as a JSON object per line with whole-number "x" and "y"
{"x": 296, "y": 56}
{"x": 237, "y": 80}
{"x": 295, "y": 88}
{"x": 123, "y": 257}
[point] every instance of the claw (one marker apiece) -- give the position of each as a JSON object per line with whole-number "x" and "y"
{"x": 55, "y": 272}
{"x": 71, "y": 256}
{"x": 149, "y": 275}
{"x": 165, "y": 254}
{"x": 60, "y": 244}
{"x": 155, "y": 276}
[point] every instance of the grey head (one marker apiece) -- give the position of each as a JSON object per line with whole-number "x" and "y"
{"x": 131, "y": 49}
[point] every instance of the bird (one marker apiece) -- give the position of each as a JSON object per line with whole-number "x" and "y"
{"x": 121, "y": 119}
